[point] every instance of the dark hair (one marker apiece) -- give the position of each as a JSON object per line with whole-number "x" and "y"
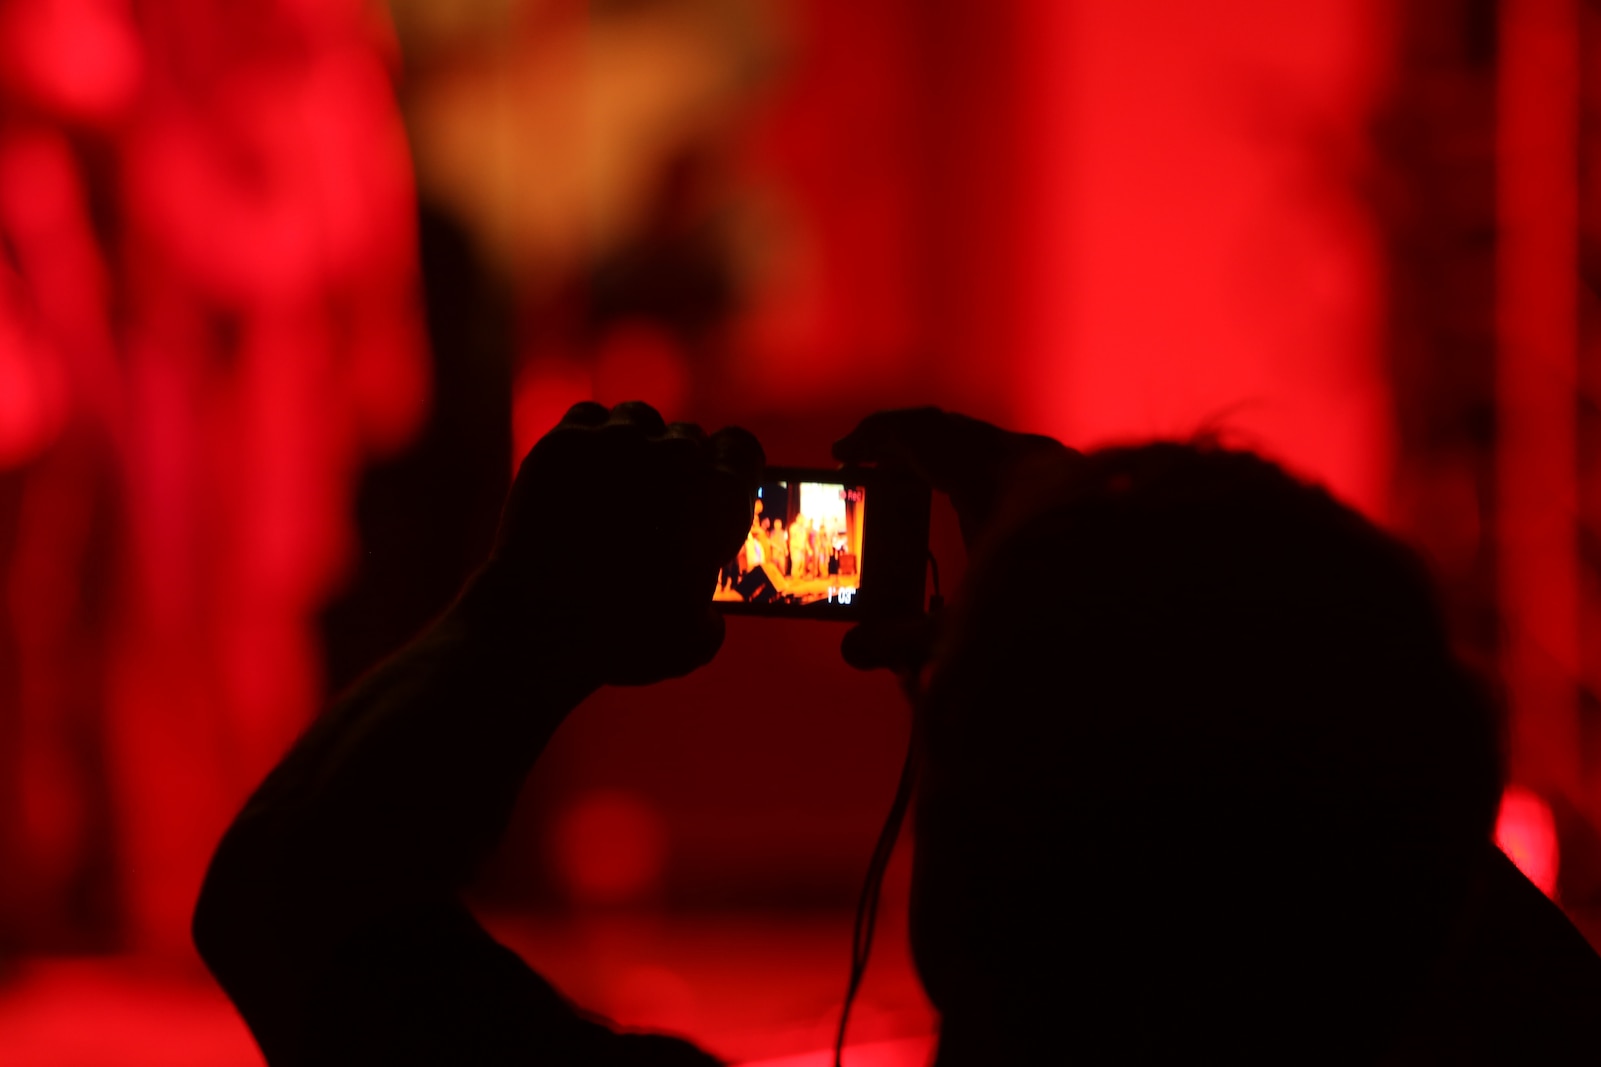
{"x": 1196, "y": 741}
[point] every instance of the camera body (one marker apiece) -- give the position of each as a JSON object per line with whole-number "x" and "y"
{"x": 847, "y": 545}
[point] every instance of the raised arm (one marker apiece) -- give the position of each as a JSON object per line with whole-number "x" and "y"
{"x": 365, "y": 832}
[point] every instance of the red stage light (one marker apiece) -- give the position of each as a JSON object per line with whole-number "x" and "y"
{"x": 610, "y": 847}
{"x": 1527, "y": 832}
{"x": 544, "y": 390}
{"x": 911, "y": 1052}
{"x": 637, "y": 361}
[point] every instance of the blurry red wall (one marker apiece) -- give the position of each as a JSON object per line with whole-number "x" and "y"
{"x": 225, "y": 425}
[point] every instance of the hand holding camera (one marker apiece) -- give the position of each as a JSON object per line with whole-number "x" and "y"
{"x": 640, "y": 534}
{"x": 616, "y": 526}
{"x": 974, "y": 463}
{"x": 981, "y": 467}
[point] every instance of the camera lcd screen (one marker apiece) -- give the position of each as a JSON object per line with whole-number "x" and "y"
{"x": 805, "y": 548}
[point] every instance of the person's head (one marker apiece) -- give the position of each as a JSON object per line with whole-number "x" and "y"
{"x": 778, "y": 525}
{"x": 1196, "y": 748}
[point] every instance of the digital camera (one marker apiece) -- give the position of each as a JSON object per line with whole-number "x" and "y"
{"x": 842, "y": 544}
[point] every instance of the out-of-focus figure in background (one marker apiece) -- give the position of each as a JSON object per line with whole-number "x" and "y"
{"x": 210, "y": 321}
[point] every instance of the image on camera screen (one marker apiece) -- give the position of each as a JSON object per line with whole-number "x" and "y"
{"x": 804, "y": 546}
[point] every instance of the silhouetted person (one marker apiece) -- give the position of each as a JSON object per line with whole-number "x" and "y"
{"x": 1201, "y": 780}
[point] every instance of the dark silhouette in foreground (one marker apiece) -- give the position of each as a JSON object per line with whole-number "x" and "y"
{"x": 1201, "y": 780}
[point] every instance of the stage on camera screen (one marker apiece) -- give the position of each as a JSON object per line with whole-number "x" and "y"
{"x": 804, "y": 546}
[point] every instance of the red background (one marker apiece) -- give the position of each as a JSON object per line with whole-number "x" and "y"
{"x": 286, "y": 286}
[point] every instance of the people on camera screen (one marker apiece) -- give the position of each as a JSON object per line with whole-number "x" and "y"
{"x": 813, "y": 553}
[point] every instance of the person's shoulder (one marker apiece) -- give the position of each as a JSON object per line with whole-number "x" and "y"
{"x": 1525, "y": 986}
{"x": 1526, "y": 937}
